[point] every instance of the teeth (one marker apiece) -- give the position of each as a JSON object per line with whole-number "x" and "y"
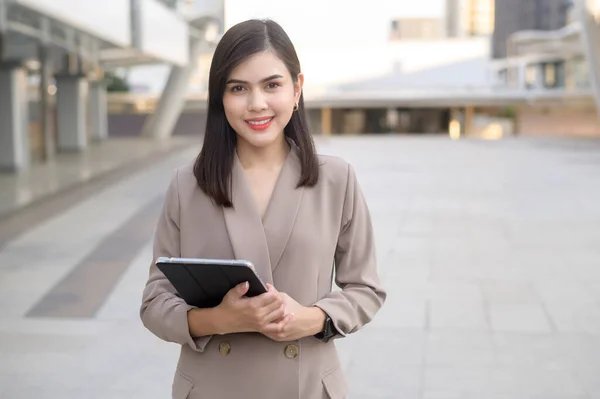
{"x": 258, "y": 123}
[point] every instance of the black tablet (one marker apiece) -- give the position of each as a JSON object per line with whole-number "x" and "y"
{"x": 204, "y": 282}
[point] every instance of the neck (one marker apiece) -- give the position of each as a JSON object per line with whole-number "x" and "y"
{"x": 271, "y": 156}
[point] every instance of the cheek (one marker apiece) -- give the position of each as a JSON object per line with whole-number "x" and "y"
{"x": 283, "y": 103}
{"x": 232, "y": 107}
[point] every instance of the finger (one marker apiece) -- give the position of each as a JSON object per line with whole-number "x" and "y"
{"x": 267, "y": 298}
{"x": 237, "y": 292}
{"x": 280, "y": 326}
{"x": 242, "y": 289}
{"x": 271, "y": 330}
{"x": 285, "y": 328}
{"x": 286, "y": 323}
{"x": 275, "y": 315}
{"x": 272, "y": 289}
{"x": 273, "y": 307}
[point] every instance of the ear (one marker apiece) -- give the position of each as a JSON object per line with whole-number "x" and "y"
{"x": 298, "y": 86}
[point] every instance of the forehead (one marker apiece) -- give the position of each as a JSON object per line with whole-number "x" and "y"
{"x": 258, "y": 66}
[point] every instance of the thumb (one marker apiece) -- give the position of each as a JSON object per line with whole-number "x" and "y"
{"x": 242, "y": 289}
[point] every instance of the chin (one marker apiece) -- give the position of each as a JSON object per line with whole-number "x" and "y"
{"x": 261, "y": 139}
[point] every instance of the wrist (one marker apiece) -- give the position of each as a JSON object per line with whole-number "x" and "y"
{"x": 201, "y": 322}
{"x": 317, "y": 320}
{"x": 222, "y": 323}
{"x": 209, "y": 321}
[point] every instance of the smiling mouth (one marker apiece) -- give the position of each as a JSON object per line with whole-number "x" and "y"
{"x": 260, "y": 122}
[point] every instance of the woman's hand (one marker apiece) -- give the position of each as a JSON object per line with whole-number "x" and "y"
{"x": 299, "y": 322}
{"x": 238, "y": 313}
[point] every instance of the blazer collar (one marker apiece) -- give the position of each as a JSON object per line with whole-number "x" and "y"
{"x": 263, "y": 242}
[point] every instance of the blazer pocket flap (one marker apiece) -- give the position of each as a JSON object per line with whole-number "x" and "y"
{"x": 182, "y": 386}
{"x": 335, "y": 384}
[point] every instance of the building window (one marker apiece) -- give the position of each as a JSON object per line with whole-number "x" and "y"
{"x": 531, "y": 76}
{"x": 554, "y": 74}
{"x": 550, "y": 75}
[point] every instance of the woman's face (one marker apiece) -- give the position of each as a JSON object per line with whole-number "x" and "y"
{"x": 259, "y": 99}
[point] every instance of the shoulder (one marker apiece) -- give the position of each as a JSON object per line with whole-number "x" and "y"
{"x": 334, "y": 168}
{"x": 338, "y": 175}
{"x": 184, "y": 189}
{"x": 185, "y": 173}
{"x": 338, "y": 172}
{"x": 182, "y": 178}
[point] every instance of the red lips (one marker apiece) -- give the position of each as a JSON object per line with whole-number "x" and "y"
{"x": 260, "y": 123}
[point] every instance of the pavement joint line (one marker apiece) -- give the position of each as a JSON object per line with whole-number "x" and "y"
{"x": 83, "y": 291}
{"x": 15, "y": 223}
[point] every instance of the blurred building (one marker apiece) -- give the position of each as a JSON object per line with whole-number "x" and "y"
{"x": 358, "y": 81}
{"x": 416, "y": 28}
{"x": 551, "y": 63}
{"x": 55, "y": 56}
{"x": 521, "y": 15}
{"x": 469, "y": 17}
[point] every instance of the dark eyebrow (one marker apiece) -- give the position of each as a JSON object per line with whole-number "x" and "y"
{"x": 262, "y": 81}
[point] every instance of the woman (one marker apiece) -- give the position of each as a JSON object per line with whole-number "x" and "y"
{"x": 258, "y": 191}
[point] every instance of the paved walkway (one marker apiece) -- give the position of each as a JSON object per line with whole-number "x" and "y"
{"x": 490, "y": 251}
{"x": 67, "y": 170}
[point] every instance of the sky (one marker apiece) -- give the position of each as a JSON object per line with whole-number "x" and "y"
{"x": 324, "y": 31}
{"x": 323, "y": 22}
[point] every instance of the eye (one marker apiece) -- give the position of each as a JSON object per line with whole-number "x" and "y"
{"x": 273, "y": 85}
{"x": 237, "y": 88}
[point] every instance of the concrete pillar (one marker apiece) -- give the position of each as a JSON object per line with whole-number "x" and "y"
{"x": 456, "y": 125}
{"x": 14, "y": 119}
{"x": 46, "y": 118}
{"x": 392, "y": 120}
{"x": 521, "y": 68}
{"x": 98, "y": 111}
{"x": 326, "y": 121}
{"x": 161, "y": 122}
{"x": 469, "y": 114}
{"x": 540, "y": 77}
{"x": 71, "y": 112}
{"x": 591, "y": 43}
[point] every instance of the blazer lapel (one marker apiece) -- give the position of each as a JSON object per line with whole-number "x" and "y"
{"x": 245, "y": 227}
{"x": 283, "y": 207}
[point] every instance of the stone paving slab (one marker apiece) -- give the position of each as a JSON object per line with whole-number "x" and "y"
{"x": 67, "y": 170}
{"x": 489, "y": 251}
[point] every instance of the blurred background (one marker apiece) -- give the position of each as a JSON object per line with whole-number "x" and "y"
{"x": 472, "y": 124}
{"x": 457, "y": 67}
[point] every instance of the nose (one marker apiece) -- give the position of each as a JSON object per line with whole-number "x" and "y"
{"x": 257, "y": 101}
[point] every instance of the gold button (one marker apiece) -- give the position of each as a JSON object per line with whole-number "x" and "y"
{"x": 224, "y": 348}
{"x": 291, "y": 351}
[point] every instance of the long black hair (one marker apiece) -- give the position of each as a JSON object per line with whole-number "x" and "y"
{"x": 214, "y": 163}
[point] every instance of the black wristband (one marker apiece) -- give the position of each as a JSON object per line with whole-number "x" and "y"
{"x": 328, "y": 330}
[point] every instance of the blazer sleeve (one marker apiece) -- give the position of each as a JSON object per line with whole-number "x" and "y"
{"x": 362, "y": 294}
{"x": 163, "y": 312}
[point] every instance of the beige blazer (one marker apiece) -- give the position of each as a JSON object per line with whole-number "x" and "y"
{"x": 306, "y": 235}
